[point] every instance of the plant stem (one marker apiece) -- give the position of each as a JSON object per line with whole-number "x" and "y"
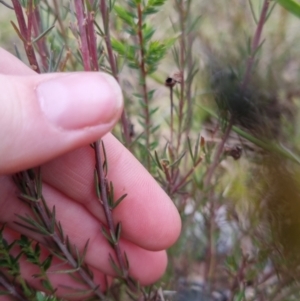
{"x": 47, "y": 220}
{"x": 11, "y": 289}
{"x": 239, "y": 278}
{"x": 37, "y": 29}
{"x": 60, "y": 22}
{"x": 211, "y": 253}
{"x": 172, "y": 116}
{"x": 190, "y": 67}
{"x": 83, "y": 35}
{"x": 26, "y": 33}
{"x": 220, "y": 148}
{"x": 143, "y": 80}
{"x": 30, "y": 19}
{"x": 112, "y": 61}
{"x": 63, "y": 33}
{"x": 92, "y": 52}
{"x": 188, "y": 174}
{"x": 182, "y": 17}
{"x": 5, "y": 4}
{"x": 218, "y": 154}
{"x": 255, "y": 43}
{"x": 107, "y": 210}
{"x": 92, "y": 40}
{"x": 244, "y": 84}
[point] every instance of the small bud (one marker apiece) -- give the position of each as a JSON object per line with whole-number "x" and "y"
{"x": 173, "y": 80}
{"x": 170, "y": 82}
{"x": 234, "y": 152}
{"x": 131, "y": 130}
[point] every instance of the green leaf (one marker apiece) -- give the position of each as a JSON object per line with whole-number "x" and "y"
{"x": 100, "y": 32}
{"x": 156, "y": 2}
{"x": 148, "y": 32}
{"x": 18, "y": 32}
{"x": 110, "y": 194}
{"x": 10, "y": 246}
{"x": 43, "y": 34}
{"x": 132, "y": 3}
{"x": 96, "y": 184}
{"x": 107, "y": 235}
{"x": 240, "y": 296}
{"x": 88, "y": 6}
{"x": 84, "y": 251}
{"x": 197, "y": 146}
{"x": 264, "y": 144}
{"x": 125, "y": 15}
{"x": 47, "y": 285}
{"x": 36, "y": 227}
{"x": 58, "y": 60}
{"x": 126, "y": 261}
{"x": 2, "y": 293}
{"x": 149, "y": 11}
{"x": 23, "y": 241}
{"x": 175, "y": 163}
{"x": 118, "y": 232}
{"x": 18, "y": 55}
{"x": 105, "y": 163}
{"x": 152, "y": 7}
{"x": 291, "y": 5}
{"x": 37, "y": 250}
{"x": 190, "y": 149}
{"x": 154, "y": 129}
{"x": 53, "y": 221}
{"x": 157, "y": 161}
{"x": 47, "y": 262}
{"x": 29, "y": 198}
{"x": 115, "y": 266}
{"x": 119, "y": 200}
{"x": 118, "y": 46}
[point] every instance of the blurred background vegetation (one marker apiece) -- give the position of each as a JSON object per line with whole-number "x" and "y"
{"x": 241, "y": 218}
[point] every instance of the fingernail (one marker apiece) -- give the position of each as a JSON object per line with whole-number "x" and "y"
{"x": 80, "y": 100}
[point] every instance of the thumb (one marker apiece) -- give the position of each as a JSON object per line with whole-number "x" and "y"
{"x": 44, "y": 116}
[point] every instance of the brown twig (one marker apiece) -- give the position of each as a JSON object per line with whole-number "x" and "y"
{"x": 47, "y": 221}
{"x": 60, "y": 22}
{"x": 172, "y": 116}
{"x": 238, "y": 278}
{"x": 26, "y": 33}
{"x": 92, "y": 40}
{"x": 188, "y": 174}
{"x": 220, "y": 148}
{"x": 107, "y": 210}
{"x": 37, "y": 29}
{"x": 5, "y": 4}
{"x": 102, "y": 181}
{"x": 11, "y": 289}
{"x": 255, "y": 43}
{"x": 182, "y": 100}
{"x": 218, "y": 154}
{"x": 82, "y": 23}
{"x": 112, "y": 61}
{"x": 63, "y": 33}
{"x": 143, "y": 80}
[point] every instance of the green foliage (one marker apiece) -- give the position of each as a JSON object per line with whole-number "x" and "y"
{"x": 127, "y": 16}
{"x": 201, "y": 126}
{"x": 154, "y": 50}
{"x": 291, "y": 5}
{"x": 152, "y": 7}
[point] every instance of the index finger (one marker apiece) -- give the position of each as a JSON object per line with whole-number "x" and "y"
{"x": 149, "y": 217}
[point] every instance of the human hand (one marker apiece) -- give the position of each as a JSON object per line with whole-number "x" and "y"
{"x": 50, "y": 120}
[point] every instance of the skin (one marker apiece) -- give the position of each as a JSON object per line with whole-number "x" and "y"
{"x": 150, "y": 221}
